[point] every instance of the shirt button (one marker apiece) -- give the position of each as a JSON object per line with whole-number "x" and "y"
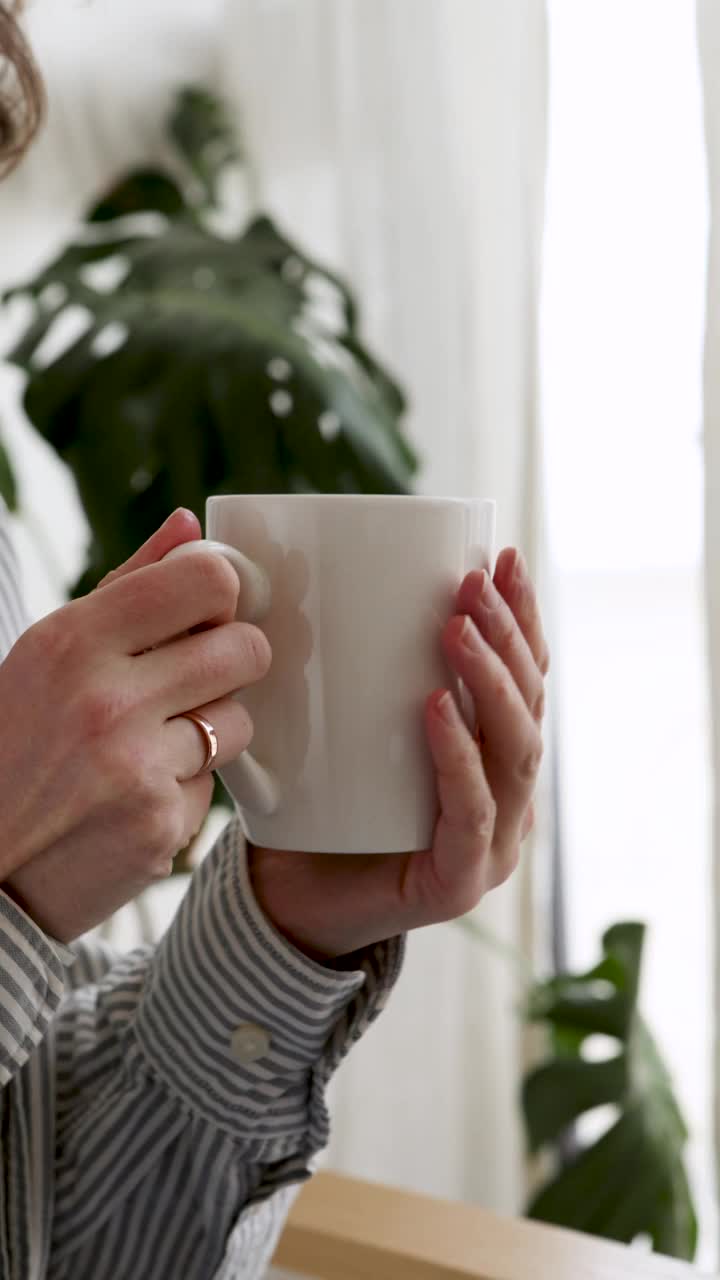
{"x": 249, "y": 1042}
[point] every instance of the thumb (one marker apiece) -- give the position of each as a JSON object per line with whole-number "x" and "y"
{"x": 181, "y": 526}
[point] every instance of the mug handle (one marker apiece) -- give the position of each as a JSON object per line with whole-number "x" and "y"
{"x": 252, "y": 786}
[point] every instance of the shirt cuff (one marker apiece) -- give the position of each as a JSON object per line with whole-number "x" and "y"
{"x": 242, "y": 1027}
{"x": 32, "y": 984}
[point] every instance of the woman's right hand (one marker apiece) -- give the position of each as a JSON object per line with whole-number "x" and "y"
{"x": 99, "y": 787}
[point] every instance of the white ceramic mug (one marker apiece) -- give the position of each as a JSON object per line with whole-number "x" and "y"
{"x": 352, "y": 592}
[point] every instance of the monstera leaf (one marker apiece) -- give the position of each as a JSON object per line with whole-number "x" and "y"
{"x": 199, "y": 363}
{"x": 630, "y": 1182}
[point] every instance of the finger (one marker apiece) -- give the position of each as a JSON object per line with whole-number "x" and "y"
{"x": 516, "y": 586}
{"x": 512, "y": 738}
{"x": 466, "y": 826}
{"x": 184, "y": 744}
{"x": 528, "y": 821}
{"x": 479, "y": 597}
{"x": 181, "y": 526}
{"x": 197, "y": 796}
{"x": 154, "y": 604}
{"x": 202, "y": 668}
{"x": 195, "y": 800}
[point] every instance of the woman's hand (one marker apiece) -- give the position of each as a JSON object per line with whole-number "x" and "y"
{"x": 331, "y": 904}
{"x": 99, "y": 787}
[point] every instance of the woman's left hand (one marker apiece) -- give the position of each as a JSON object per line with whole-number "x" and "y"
{"x": 330, "y": 905}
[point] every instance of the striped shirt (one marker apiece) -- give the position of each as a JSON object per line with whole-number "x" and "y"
{"x": 136, "y": 1142}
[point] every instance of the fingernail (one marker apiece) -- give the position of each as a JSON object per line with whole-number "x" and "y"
{"x": 520, "y": 571}
{"x": 470, "y": 636}
{"x": 446, "y": 709}
{"x": 489, "y": 594}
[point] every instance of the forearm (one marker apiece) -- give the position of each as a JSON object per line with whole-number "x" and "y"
{"x": 191, "y": 1083}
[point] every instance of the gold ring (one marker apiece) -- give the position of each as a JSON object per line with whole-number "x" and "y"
{"x": 209, "y": 736}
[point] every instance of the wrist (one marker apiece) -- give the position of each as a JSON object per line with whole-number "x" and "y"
{"x": 12, "y": 893}
{"x": 304, "y": 925}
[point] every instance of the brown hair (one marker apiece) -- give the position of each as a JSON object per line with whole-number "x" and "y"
{"x": 22, "y": 98}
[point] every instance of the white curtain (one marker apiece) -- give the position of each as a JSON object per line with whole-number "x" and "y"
{"x": 111, "y": 73}
{"x": 709, "y": 44}
{"x": 404, "y": 141}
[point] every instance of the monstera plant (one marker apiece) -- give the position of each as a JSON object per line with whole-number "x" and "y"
{"x": 195, "y": 361}
{"x": 631, "y": 1181}
{"x": 624, "y": 1179}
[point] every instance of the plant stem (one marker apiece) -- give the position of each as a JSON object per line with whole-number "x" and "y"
{"x": 511, "y": 955}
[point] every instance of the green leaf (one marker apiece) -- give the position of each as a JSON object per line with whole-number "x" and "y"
{"x": 557, "y": 1092}
{"x": 142, "y": 191}
{"x": 632, "y": 1181}
{"x": 601, "y": 1000}
{"x": 623, "y": 1187}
